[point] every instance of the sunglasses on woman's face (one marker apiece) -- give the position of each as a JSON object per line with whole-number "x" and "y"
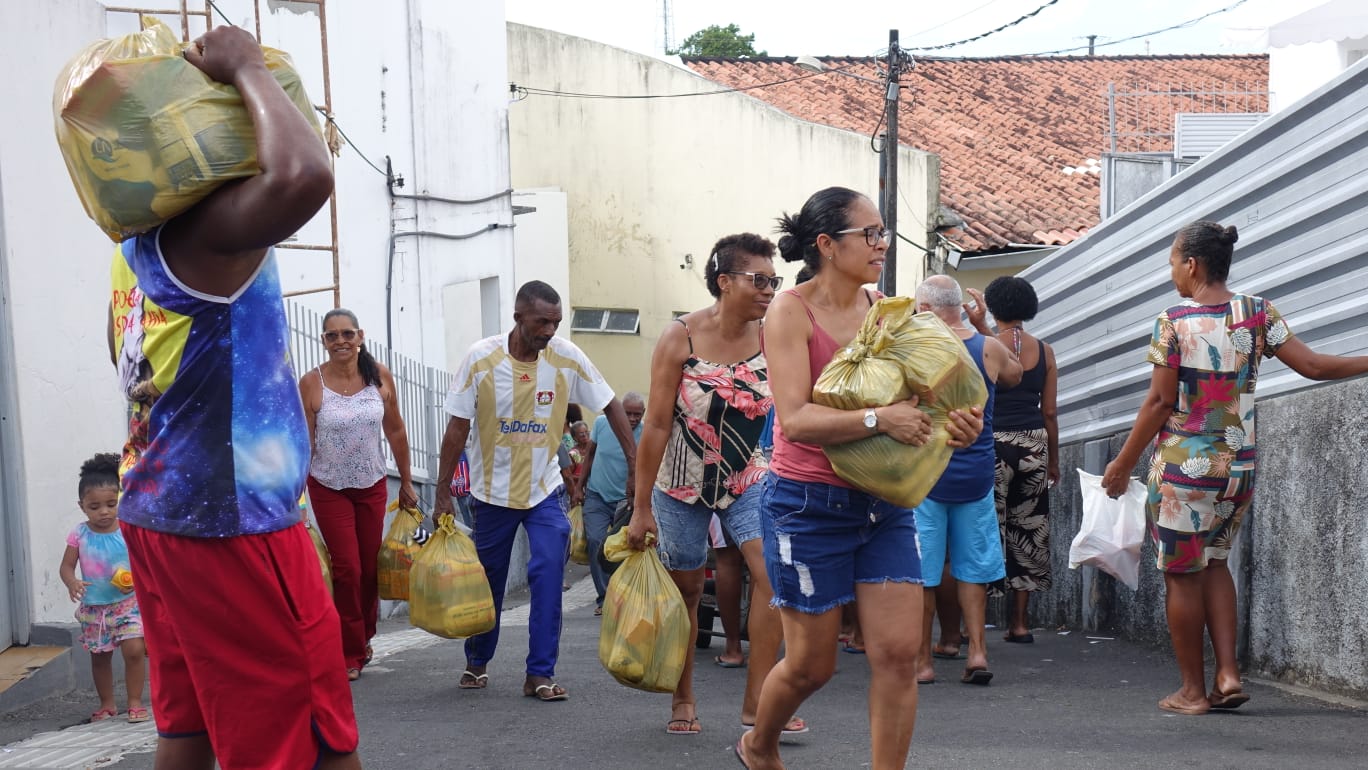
{"x": 760, "y": 280}
{"x": 345, "y": 334}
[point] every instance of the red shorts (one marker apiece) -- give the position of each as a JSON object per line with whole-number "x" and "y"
{"x": 243, "y": 645}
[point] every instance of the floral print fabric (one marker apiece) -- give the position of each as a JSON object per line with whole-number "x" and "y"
{"x": 713, "y": 452}
{"x": 1201, "y": 478}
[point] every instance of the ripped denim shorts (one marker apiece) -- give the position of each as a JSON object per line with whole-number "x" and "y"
{"x": 820, "y": 540}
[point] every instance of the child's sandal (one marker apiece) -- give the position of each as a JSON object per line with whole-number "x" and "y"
{"x": 103, "y": 714}
{"x": 137, "y": 714}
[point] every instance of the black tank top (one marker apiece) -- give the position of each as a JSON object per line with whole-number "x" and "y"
{"x": 1018, "y": 408}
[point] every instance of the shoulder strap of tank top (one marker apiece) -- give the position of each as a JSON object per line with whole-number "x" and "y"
{"x": 319, "y": 369}
{"x": 687, "y": 335}
{"x": 806, "y": 308}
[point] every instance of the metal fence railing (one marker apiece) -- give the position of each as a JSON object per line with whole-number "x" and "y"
{"x": 421, "y": 391}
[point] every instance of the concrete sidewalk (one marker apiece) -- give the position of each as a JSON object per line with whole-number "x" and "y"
{"x": 1067, "y": 701}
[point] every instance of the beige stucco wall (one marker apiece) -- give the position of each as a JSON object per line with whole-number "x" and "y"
{"x": 651, "y": 184}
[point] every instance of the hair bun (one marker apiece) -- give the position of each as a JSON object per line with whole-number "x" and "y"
{"x": 789, "y": 249}
{"x": 1230, "y": 235}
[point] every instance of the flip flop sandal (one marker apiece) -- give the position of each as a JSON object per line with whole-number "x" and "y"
{"x": 137, "y": 714}
{"x": 795, "y": 726}
{"x": 472, "y": 681}
{"x": 1178, "y": 708}
{"x": 1228, "y": 700}
{"x": 1027, "y": 638}
{"x": 547, "y": 693}
{"x": 947, "y": 655}
{"x": 981, "y": 676}
{"x": 103, "y": 714}
{"x": 729, "y": 663}
{"x": 691, "y": 726}
{"x": 369, "y": 655}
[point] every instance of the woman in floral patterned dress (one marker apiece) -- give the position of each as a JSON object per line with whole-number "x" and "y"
{"x": 1199, "y": 412}
{"x": 700, "y": 443}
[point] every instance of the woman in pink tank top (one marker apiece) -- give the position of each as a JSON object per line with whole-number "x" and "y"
{"x": 825, "y": 543}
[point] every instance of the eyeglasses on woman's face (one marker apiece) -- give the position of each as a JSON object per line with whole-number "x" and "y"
{"x": 873, "y": 235}
{"x": 343, "y": 334}
{"x": 760, "y": 280}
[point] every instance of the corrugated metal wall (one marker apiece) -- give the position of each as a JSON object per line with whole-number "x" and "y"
{"x": 1296, "y": 186}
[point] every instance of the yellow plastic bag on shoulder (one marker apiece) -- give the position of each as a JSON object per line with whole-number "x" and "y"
{"x": 448, "y": 591}
{"x": 644, "y": 639}
{"x": 579, "y": 542}
{"x": 146, "y": 134}
{"x": 397, "y": 552}
{"x": 897, "y": 354}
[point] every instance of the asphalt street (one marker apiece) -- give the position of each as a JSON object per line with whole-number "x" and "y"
{"x": 1067, "y": 701}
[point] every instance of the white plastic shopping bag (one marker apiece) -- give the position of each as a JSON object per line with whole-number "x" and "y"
{"x": 1112, "y": 531}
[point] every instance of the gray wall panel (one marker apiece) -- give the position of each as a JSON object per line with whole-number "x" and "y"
{"x": 1296, "y": 187}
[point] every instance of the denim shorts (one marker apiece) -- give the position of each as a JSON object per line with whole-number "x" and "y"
{"x": 975, "y": 542}
{"x": 821, "y": 539}
{"x": 682, "y": 528}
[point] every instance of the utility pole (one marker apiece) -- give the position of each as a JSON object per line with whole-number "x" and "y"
{"x": 897, "y": 61}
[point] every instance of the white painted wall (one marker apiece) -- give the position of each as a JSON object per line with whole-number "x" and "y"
{"x": 423, "y": 82}
{"x": 1297, "y": 70}
{"x": 652, "y": 184}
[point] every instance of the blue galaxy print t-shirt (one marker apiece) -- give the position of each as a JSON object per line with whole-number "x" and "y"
{"x": 223, "y": 449}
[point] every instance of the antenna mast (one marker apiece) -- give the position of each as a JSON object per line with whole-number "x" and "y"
{"x": 666, "y": 26}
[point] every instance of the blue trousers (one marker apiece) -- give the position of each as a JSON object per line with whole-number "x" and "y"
{"x": 598, "y": 516}
{"x": 548, "y": 537}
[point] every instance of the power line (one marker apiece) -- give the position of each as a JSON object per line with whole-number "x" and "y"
{"x": 1179, "y": 25}
{"x": 981, "y": 36}
{"x": 948, "y": 22}
{"x": 350, "y": 143}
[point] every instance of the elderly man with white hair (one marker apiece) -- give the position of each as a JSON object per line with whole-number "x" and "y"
{"x": 958, "y": 513}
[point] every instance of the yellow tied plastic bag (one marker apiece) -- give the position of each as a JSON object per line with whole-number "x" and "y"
{"x": 897, "y": 354}
{"x": 397, "y": 551}
{"x": 448, "y": 591}
{"x": 321, "y": 548}
{"x": 644, "y": 639}
{"x": 146, "y": 134}
{"x": 579, "y": 541}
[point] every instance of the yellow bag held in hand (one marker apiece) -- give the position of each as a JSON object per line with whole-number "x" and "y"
{"x": 899, "y": 353}
{"x": 321, "y": 548}
{"x": 146, "y": 134}
{"x": 579, "y": 543}
{"x": 397, "y": 551}
{"x": 448, "y": 591}
{"x": 644, "y": 639}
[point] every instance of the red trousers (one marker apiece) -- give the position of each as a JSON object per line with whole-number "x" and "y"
{"x": 351, "y": 523}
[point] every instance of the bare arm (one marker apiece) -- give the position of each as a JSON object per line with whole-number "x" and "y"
{"x": 586, "y": 469}
{"x": 217, "y": 245}
{"x": 75, "y": 588}
{"x": 666, "y": 373}
{"x": 1319, "y": 366}
{"x": 977, "y": 311}
{"x": 453, "y": 443}
{"x": 1050, "y": 411}
{"x": 1154, "y": 412}
{"x": 1005, "y": 362}
{"x": 397, "y": 436}
{"x": 787, "y": 331}
{"x": 311, "y": 395}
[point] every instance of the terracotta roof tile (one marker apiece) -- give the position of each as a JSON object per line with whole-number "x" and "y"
{"x": 1007, "y": 128}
